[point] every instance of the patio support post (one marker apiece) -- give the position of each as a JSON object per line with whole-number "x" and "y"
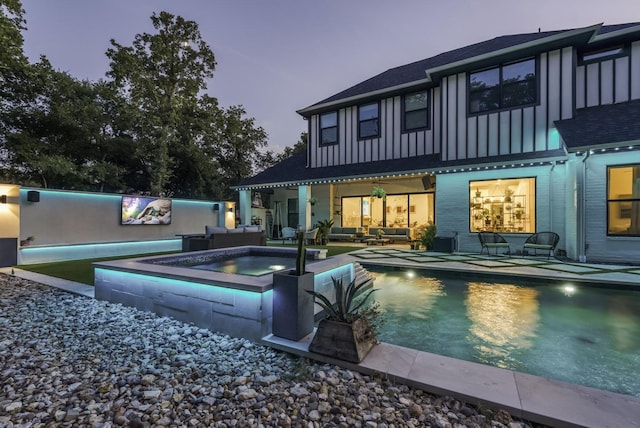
{"x": 304, "y": 207}
{"x": 245, "y": 206}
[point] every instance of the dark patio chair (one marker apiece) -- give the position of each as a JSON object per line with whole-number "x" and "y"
{"x": 492, "y": 240}
{"x": 546, "y": 241}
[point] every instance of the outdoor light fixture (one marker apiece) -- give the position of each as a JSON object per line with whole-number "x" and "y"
{"x": 231, "y": 209}
{"x": 3, "y": 199}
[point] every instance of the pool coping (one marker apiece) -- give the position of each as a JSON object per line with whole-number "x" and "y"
{"x": 530, "y": 397}
{"x": 258, "y": 284}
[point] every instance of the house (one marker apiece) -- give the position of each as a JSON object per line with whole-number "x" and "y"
{"x": 518, "y": 134}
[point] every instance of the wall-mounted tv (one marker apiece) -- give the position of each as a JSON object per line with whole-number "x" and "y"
{"x": 141, "y": 210}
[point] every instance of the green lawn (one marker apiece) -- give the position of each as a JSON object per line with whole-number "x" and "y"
{"x": 82, "y": 270}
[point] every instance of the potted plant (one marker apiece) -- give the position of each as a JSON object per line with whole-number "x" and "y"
{"x": 292, "y": 305}
{"x": 427, "y": 236}
{"x": 378, "y": 192}
{"x": 380, "y": 234}
{"x": 508, "y": 193}
{"x": 346, "y": 333}
{"x": 324, "y": 227}
{"x": 487, "y": 219}
{"x": 313, "y": 200}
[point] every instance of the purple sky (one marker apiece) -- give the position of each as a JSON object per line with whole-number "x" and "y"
{"x": 275, "y": 57}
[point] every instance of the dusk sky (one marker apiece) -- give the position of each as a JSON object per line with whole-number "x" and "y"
{"x": 275, "y": 57}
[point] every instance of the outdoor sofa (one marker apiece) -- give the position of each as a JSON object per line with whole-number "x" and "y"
{"x": 395, "y": 234}
{"x": 221, "y": 237}
{"x": 342, "y": 233}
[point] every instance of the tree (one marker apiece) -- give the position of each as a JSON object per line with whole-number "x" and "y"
{"x": 160, "y": 76}
{"x": 11, "y": 24}
{"x": 269, "y": 158}
{"x": 235, "y": 147}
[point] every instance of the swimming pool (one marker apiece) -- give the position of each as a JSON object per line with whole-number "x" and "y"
{"x": 251, "y": 261}
{"x": 237, "y": 303}
{"x": 570, "y": 332}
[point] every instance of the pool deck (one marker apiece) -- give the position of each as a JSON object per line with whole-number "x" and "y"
{"x": 540, "y": 400}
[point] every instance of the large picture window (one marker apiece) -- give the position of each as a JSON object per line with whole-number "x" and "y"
{"x": 368, "y": 121}
{"x": 623, "y": 200}
{"x": 414, "y": 211}
{"x": 506, "y": 206}
{"x": 329, "y": 128}
{"x": 505, "y": 86}
{"x": 415, "y": 111}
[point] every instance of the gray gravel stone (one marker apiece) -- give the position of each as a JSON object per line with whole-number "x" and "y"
{"x": 67, "y": 360}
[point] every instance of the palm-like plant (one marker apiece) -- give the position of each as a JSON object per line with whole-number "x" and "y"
{"x": 348, "y": 302}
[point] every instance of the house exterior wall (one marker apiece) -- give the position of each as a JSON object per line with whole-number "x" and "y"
{"x": 393, "y": 142}
{"x": 611, "y": 81}
{"x": 512, "y": 131}
{"x": 570, "y": 187}
{"x": 452, "y": 204}
{"x": 601, "y": 247}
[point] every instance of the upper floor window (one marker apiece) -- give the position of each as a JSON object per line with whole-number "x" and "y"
{"x": 601, "y": 55}
{"x": 623, "y": 200}
{"x": 508, "y": 85}
{"x": 415, "y": 111}
{"x": 329, "y": 128}
{"x": 368, "y": 121}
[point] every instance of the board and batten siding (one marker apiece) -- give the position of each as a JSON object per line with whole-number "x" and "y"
{"x": 513, "y": 131}
{"x": 610, "y": 81}
{"x": 393, "y": 143}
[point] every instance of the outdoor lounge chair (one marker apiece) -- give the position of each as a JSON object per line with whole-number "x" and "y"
{"x": 492, "y": 240}
{"x": 288, "y": 233}
{"x": 546, "y": 241}
{"x": 311, "y": 236}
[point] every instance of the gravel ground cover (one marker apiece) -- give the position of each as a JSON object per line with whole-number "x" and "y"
{"x": 67, "y": 360}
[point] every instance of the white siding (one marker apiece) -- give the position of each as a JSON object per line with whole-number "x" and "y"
{"x": 392, "y": 143}
{"x": 606, "y": 82}
{"x": 609, "y": 81}
{"x": 600, "y": 246}
{"x": 568, "y": 61}
{"x": 452, "y": 203}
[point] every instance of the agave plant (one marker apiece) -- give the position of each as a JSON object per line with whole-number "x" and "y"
{"x": 347, "y": 306}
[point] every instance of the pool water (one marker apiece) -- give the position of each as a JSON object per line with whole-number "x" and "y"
{"x": 249, "y": 265}
{"x": 580, "y": 334}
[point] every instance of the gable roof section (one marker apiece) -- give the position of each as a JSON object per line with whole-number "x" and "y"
{"x": 478, "y": 55}
{"x": 601, "y": 126}
{"x": 293, "y": 170}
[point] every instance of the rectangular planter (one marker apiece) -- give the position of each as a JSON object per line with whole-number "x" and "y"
{"x": 292, "y": 305}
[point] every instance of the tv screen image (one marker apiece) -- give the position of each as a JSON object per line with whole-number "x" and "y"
{"x": 141, "y": 210}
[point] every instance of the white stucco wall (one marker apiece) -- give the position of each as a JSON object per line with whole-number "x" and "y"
{"x": 63, "y": 217}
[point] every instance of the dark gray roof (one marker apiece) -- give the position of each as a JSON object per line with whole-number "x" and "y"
{"x": 293, "y": 169}
{"x": 602, "y": 125}
{"x": 415, "y": 71}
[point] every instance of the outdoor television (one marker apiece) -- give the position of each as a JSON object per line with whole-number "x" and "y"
{"x": 144, "y": 210}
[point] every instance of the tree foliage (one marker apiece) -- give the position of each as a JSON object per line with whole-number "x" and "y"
{"x": 150, "y": 127}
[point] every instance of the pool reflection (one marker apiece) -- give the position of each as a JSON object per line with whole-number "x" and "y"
{"x": 504, "y": 320}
